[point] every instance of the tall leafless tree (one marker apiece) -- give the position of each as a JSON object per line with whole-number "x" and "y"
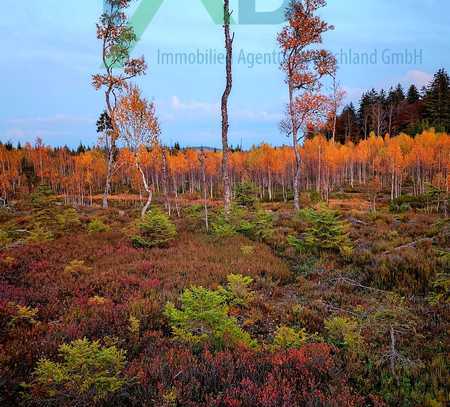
{"x": 165, "y": 180}
{"x": 117, "y": 39}
{"x": 202, "y": 159}
{"x": 337, "y": 97}
{"x": 304, "y": 65}
{"x": 229, "y": 38}
{"x": 138, "y": 127}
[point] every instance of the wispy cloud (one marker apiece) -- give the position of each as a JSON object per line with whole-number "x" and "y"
{"x": 202, "y": 108}
{"x": 194, "y": 106}
{"x": 353, "y": 94}
{"x": 255, "y": 115}
{"x": 14, "y": 134}
{"x": 51, "y": 120}
{"x": 418, "y": 78}
{"x": 53, "y": 137}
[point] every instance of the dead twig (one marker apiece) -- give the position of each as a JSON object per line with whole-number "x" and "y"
{"x": 332, "y": 307}
{"x": 354, "y": 283}
{"x": 394, "y": 357}
{"x": 412, "y": 244}
{"x": 355, "y": 221}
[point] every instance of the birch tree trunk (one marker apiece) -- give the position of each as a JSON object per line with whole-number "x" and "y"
{"x": 225, "y": 125}
{"x": 147, "y": 189}
{"x": 297, "y": 168}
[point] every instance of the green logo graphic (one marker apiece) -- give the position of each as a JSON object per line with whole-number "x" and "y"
{"x": 248, "y": 14}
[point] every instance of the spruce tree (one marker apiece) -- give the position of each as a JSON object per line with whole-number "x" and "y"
{"x": 413, "y": 95}
{"x": 364, "y": 118}
{"x": 349, "y": 125}
{"x": 326, "y": 231}
{"x": 393, "y": 102}
{"x": 399, "y": 94}
{"x": 437, "y": 101}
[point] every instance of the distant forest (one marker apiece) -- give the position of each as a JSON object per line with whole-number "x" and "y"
{"x": 395, "y": 111}
{"x": 382, "y": 112}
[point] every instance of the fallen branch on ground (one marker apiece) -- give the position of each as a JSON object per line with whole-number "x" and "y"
{"x": 354, "y": 283}
{"x": 412, "y": 244}
{"x": 357, "y": 221}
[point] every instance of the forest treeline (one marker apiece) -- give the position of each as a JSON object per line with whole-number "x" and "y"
{"x": 396, "y": 111}
{"x": 393, "y": 163}
{"x": 362, "y": 151}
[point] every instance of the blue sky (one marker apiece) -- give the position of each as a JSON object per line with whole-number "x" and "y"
{"x": 50, "y": 50}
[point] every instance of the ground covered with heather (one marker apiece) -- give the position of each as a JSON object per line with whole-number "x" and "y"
{"x": 338, "y": 305}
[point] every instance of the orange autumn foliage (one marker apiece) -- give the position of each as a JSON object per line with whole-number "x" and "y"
{"x": 326, "y": 166}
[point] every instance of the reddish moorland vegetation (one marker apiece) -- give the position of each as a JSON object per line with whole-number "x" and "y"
{"x": 358, "y": 318}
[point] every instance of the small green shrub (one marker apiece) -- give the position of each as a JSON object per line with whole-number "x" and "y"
{"x": 43, "y": 197}
{"x": 326, "y": 231}
{"x": 97, "y": 226}
{"x": 68, "y": 219}
{"x": 25, "y": 315}
{"x": 156, "y": 230}
{"x": 245, "y": 195}
{"x": 43, "y": 214}
{"x": 237, "y": 289}
{"x": 44, "y": 217}
{"x": 289, "y": 338}
{"x": 343, "y": 332}
{"x": 223, "y": 227}
{"x": 39, "y": 234}
{"x": 203, "y": 318}
{"x": 259, "y": 228}
{"x": 87, "y": 370}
